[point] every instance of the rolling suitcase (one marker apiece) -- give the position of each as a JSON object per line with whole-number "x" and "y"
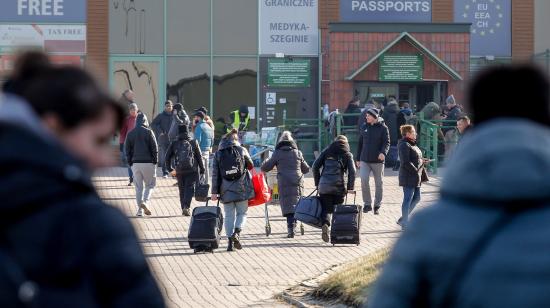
{"x": 202, "y": 189}
{"x": 308, "y": 210}
{"x": 205, "y": 228}
{"x": 346, "y": 223}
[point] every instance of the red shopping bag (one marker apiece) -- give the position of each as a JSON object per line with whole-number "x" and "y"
{"x": 261, "y": 190}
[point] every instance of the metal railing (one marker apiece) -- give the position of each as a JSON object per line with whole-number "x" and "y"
{"x": 432, "y": 141}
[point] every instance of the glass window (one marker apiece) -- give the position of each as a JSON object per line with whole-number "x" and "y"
{"x": 235, "y": 27}
{"x": 136, "y": 26}
{"x": 188, "y": 82}
{"x": 234, "y": 85}
{"x": 188, "y": 26}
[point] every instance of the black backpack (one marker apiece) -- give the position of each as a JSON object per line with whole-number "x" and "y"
{"x": 231, "y": 163}
{"x": 185, "y": 157}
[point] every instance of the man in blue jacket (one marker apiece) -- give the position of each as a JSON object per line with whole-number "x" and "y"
{"x": 204, "y": 134}
{"x": 485, "y": 243}
{"x": 373, "y": 147}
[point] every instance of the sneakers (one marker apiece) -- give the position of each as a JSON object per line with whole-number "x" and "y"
{"x": 165, "y": 176}
{"x": 367, "y": 208}
{"x": 325, "y": 235}
{"x": 186, "y": 212}
{"x": 230, "y": 245}
{"x": 139, "y": 213}
{"x": 146, "y": 210}
{"x": 235, "y": 239}
{"x": 376, "y": 210}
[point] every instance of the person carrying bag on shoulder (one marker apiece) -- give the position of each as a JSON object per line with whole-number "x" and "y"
{"x": 232, "y": 184}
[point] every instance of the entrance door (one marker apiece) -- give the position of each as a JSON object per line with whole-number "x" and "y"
{"x": 424, "y": 95}
{"x": 375, "y": 90}
{"x": 142, "y": 74}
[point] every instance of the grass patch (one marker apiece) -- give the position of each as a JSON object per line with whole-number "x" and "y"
{"x": 352, "y": 283}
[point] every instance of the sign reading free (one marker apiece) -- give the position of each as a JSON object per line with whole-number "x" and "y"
{"x": 37, "y": 11}
{"x": 386, "y": 11}
{"x": 394, "y": 67}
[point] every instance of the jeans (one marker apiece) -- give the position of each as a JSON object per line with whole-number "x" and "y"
{"x": 205, "y": 161}
{"x": 123, "y": 159}
{"x": 145, "y": 181}
{"x": 328, "y": 203}
{"x": 186, "y": 186}
{"x": 411, "y": 197}
{"x": 163, "y": 147}
{"x": 235, "y": 216}
{"x": 377, "y": 170}
{"x": 290, "y": 221}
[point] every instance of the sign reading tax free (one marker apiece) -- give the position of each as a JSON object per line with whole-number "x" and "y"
{"x": 289, "y": 27}
{"x": 37, "y": 11}
{"x": 395, "y": 67}
{"x": 283, "y": 73}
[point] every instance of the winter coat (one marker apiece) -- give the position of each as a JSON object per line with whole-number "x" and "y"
{"x": 127, "y": 126}
{"x": 373, "y": 141}
{"x": 352, "y": 109}
{"x": 172, "y": 153}
{"x": 291, "y": 168}
{"x": 141, "y": 145}
{"x": 79, "y": 251}
{"x": 331, "y": 167}
{"x": 204, "y": 134}
{"x": 454, "y": 113}
{"x": 237, "y": 190}
{"x": 161, "y": 126}
{"x": 412, "y": 165}
{"x": 177, "y": 120}
{"x": 390, "y": 115}
{"x": 498, "y": 162}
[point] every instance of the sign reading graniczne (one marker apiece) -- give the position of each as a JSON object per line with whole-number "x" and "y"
{"x": 41, "y": 11}
{"x": 289, "y": 27}
{"x": 386, "y": 10}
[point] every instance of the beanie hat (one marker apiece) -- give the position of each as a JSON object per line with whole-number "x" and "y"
{"x": 243, "y": 109}
{"x": 182, "y": 129}
{"x": 203, "y": 109}
{"x": 200, "y": 114}
{"x": 451, "y": 99}
{"x": 373, "y": 112}
{"x": 178, "y": 107}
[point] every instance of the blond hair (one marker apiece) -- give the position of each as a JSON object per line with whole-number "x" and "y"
{"x": 404, "y": 129}
{"x": 341, "y": 138}
{"x": 232, "y": 134}
{"x": 286, "y": 136}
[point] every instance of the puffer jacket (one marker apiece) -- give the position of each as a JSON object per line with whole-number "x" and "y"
{"x": 141, "y": 145}
{"x": 161, "y": 127}
{"x": 390, "y": 115}
{"x": 78, "y": 250}
{"x": 291, "y": 168}
{"x": 330, "y": 170}
{"x": 373, "y": 141}
{"x": 501, "y": 171}
{"x": 412, "y": 165}
{"x": 237, "y": 190}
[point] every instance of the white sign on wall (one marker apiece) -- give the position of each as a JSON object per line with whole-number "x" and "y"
{"x": 52, "y": 38}
{"x": 289, "y": 27}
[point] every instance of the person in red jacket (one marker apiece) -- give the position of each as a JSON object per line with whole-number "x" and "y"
{"x": 127, "y": 126}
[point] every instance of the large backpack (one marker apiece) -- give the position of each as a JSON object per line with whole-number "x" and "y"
{"x": 185, "y": 157}
{"x": 231, "y": 163}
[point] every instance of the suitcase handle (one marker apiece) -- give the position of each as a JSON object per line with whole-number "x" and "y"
{"x": 354, "y": 197}
{"x": 208, "y": 200}
{"x": 312, "y": 192}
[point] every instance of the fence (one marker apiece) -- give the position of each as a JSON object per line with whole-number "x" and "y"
{"x": 436, "y": 139}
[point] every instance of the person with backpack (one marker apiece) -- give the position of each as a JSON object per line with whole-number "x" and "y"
{"x": 61, "y": 245}
{"x": 291, "y": 168}
{"x": 188, "y": 162}
{"x": 142, "y": 155}
{"x": 334, "y": 177}
{"x": 232, "y": 184}
{"x": 485, "y": 241}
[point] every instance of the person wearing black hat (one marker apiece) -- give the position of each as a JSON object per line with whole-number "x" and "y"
{"x": 207, "y": 118}
{"x": 189, "y": 163}
{"x": 240, "y": 119}
{"x": 204, "y": 134}
{"x": 373, "y": 147}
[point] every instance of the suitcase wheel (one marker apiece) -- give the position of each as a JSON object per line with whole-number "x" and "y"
{"x": 302, "y": 230}
{"x": 267, "y": 230}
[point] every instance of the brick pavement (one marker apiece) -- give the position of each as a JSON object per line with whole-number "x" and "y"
{"x": 266, "y": 265}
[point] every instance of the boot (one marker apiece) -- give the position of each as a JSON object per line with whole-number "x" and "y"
{"x": 235, "y": 239}
{"x": 230, "y": 245}
{"x": 291, "y": 230}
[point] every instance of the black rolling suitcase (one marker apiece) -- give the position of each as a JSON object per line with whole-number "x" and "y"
{"x": 346, "y": 223}
{"x": 205, "y": 228}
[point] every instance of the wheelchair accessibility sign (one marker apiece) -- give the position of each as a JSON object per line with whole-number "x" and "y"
{"x": 270, "y": 98}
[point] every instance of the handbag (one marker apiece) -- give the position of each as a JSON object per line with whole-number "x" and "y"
{"x": 261, "y": 190}
{"x": 202, "y": 189}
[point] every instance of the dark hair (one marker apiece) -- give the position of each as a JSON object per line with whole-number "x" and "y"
{"x": 168, "y": 102}
{"x": 495, "y": 93}
{"x": 69, "y": 92}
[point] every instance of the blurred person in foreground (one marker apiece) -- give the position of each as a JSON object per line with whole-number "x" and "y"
{"x": 485, "y": 242}
{"x": 60, "y": 245}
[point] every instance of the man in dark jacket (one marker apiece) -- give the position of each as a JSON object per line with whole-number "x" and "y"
{"x": 142, "y": 155}
{"x": 161, "y": 126}
{"x": 391, "y": 119}
{"x": 353, "y": 108}
{"x": 373, "y": 147}
{"x": 485, "y": 243}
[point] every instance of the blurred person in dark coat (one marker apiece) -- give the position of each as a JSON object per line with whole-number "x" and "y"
{"x": 61, "y": 246}
{"x": 485, "y": 242}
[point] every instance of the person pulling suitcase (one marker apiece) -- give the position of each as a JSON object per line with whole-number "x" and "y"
{"x": 329, "y": 173}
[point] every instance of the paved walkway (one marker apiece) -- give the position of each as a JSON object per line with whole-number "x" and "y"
{"x": 266, "y": 265}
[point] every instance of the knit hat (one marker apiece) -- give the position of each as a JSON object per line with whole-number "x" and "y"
{"x": 243, "y": 109}
{"x": 182, "y": 129}
{"x": 178, "y": 107}
{"x": 203, "y": 109}
{"x": 200, "y": 114}
{"x": 450, "y": 99}
{"x": 373, "y": 112}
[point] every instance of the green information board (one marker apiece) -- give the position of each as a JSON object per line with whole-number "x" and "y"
{"x": 284, "y": 73}
{"x": 401, "y": 67}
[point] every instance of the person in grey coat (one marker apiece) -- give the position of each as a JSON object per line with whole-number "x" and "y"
{"x": 291, "y": 168}
{"x": 142, "y": 156}
{"x": 234, "y": 194}
{"x": 485, "y": 243}
{"x": 161, "y": 126}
